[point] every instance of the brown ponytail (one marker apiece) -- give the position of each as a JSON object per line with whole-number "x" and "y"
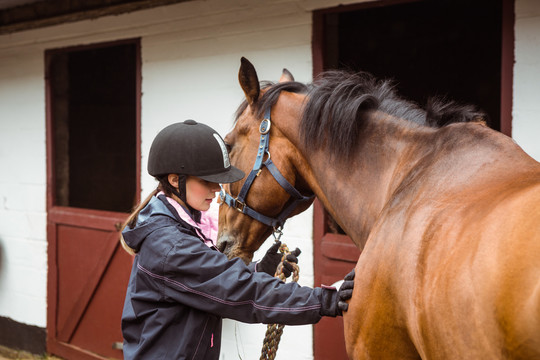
{"x": 131, "y": 221}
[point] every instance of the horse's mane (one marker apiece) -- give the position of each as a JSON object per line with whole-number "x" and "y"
{"x": 338, "y": 100}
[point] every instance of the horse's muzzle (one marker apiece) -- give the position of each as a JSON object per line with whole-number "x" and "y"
{"x": 230, "y": 248}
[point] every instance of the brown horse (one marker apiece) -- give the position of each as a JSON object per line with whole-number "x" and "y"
{"x": 445, "y": 210}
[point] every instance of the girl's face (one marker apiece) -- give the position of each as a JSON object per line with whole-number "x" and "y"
{"x": 200, "y": 193}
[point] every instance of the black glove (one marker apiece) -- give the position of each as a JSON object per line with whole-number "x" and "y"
{"x": 334, "y": 302}
{"x": 272, "y": 258}
{"x": 345, "y": 291}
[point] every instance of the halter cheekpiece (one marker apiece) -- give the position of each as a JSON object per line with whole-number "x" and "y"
{"x": 239, "y": 203}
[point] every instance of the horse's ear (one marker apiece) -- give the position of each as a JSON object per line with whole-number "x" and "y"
{"x": 249, "y": 81}
{"x": 286, "y": 76}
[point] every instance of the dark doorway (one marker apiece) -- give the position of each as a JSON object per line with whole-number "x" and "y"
{"x": 446, "y": 48}
{"x": 458, "y": 49}
{"x": 93, "y": 93}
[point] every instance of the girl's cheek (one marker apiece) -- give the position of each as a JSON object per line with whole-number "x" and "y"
{"x": 201, "y": 191}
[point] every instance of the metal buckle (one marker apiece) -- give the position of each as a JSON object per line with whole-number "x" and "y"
{"x": 264, "y": 128}
{"x": 238, "y": 205}
{"x": 276, "y": 232}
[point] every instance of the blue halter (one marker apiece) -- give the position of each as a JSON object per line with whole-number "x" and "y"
{"x": 239, "y": 203}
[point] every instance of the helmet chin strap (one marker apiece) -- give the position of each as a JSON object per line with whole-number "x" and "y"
{"x": 182, "y": 189}
{"x": 180, "y": 192}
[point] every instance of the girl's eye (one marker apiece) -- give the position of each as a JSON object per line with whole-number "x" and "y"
{"x": 228, "y": 146}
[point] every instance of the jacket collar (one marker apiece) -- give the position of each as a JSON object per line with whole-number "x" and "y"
{"x": 207, "y": 224}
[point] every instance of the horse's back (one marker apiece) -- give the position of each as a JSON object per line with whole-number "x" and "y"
{"x": 481, "y": 272}
{"x": 454, "y": 276}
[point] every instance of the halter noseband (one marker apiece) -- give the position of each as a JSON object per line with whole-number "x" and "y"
{"x": 239, "y": 203}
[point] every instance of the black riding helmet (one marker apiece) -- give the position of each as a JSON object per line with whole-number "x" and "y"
{"x": 191, "y": 148}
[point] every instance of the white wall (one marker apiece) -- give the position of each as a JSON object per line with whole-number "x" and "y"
{"x": 191, "y": 55}
{"x": 526, "y": 107}
{"x": 23, "y": 243}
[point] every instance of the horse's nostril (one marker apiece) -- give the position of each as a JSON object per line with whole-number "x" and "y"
{"x": 224, "y": 246}
{"x": 221, "y": 246}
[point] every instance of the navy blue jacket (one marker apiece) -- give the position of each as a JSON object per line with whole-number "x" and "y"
{"x": 180, "y": 289}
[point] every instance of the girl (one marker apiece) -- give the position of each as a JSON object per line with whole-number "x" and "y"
{"x": 181, "y": 286}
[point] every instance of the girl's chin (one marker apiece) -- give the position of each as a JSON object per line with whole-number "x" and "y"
{"x": 204, "y": 207}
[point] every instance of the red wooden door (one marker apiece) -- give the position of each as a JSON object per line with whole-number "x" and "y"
{"x": 88, "y": 274}
{"x": 93, "y": 149}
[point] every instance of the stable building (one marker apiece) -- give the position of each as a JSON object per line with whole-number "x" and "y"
{"x": 85, "y": 87}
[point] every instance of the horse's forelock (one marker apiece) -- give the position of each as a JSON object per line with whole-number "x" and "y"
{"x": 271, "y": 92}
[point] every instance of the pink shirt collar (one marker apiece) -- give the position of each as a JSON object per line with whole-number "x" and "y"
{"x": 209, "y": 220}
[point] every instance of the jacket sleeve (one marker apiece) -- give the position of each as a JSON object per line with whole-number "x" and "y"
{"x": 202, "y": 278}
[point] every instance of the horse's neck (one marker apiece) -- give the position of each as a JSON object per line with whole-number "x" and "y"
{"x": 354, "y": 192}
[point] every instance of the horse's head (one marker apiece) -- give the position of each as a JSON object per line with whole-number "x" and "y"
{"x": 259, "y": 204}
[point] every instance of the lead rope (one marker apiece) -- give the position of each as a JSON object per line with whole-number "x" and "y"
{"x": 274, "y": 331}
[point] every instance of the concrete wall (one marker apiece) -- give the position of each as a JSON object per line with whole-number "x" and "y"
{"x": 190, "y": 54}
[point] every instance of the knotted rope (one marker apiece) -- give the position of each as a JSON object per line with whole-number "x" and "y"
{"x": 274, "y": 331}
